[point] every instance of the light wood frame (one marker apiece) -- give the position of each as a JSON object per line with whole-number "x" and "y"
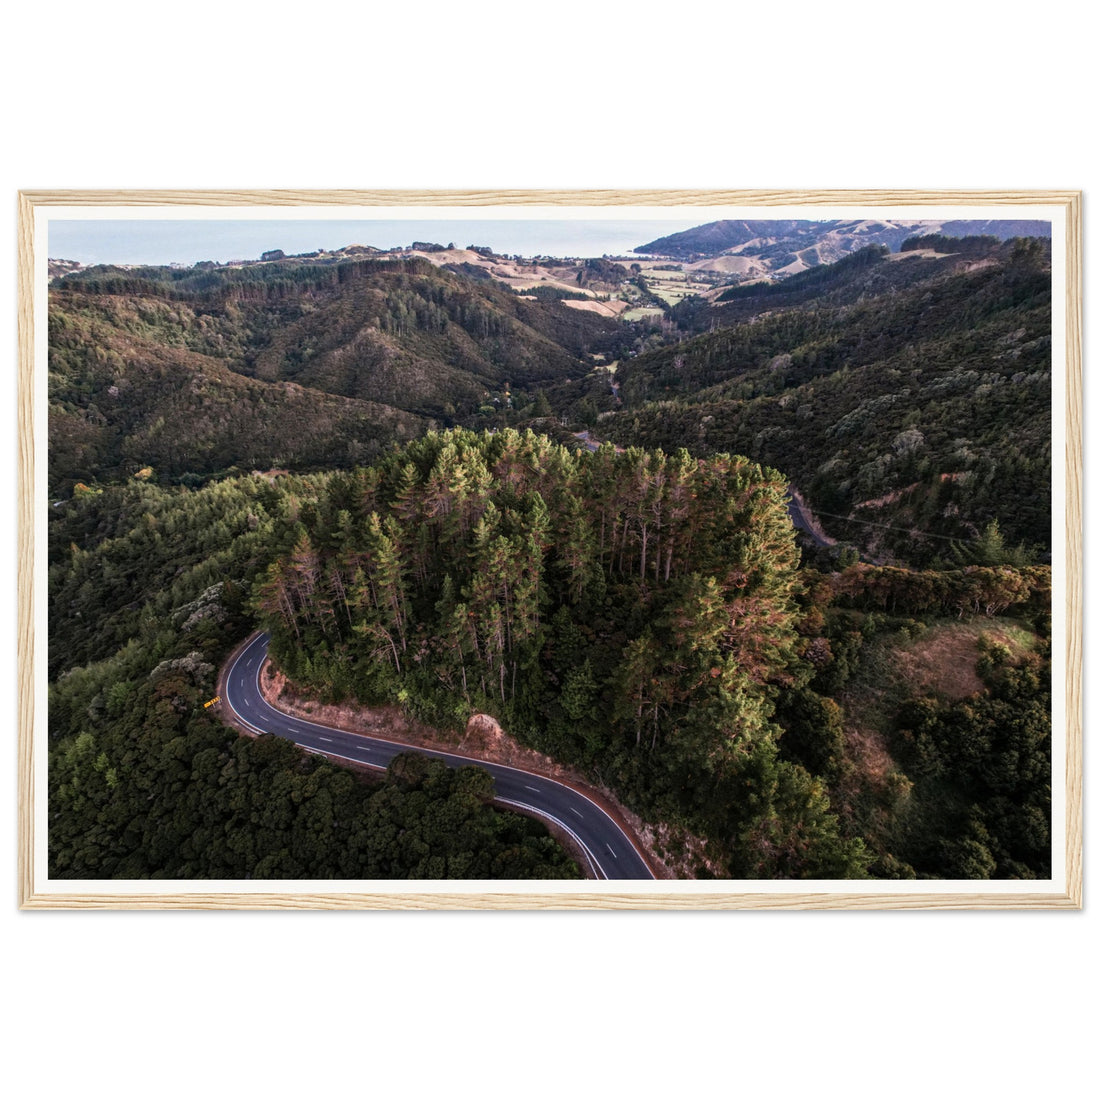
{"x": 814, "y": 895}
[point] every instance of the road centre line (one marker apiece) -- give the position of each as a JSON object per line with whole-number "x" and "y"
{"x": 260, "y": 643}
{"x": 401, "y": 746}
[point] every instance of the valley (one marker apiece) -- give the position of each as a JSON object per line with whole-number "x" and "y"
{"x": 558, "y": 492}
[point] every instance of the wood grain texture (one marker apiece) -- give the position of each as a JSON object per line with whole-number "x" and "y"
{"x": 646, "y": 898}
{"x": 881, "y": 197}
{"x": 534, "y": 900}
{"x": 25, "y": 573}
{"x": 1074, "y": 564}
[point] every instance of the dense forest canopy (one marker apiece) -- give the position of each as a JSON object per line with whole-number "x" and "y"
{"x": 910, "y": 394}
{"x": 299, "y": 365}
{"x": 431, "y": 529}
{"x": 149, "y": 591}
{"x": 629, "y": 612}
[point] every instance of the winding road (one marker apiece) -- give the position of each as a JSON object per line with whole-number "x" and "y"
{"x": 608, "y": 851}
{"x": 796, "y": 510}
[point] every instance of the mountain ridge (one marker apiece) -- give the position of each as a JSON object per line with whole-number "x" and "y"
{"x": 786, "y": 247}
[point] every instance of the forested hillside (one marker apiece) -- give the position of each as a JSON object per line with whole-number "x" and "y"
{"x": 636, "y": 614}
{"x": 432, "y": 531}
{"x": 149, "y": 591}
{"x": 193, "y": 371}
{"x": 909, "y": 399}
{"x": 630, "y": 613}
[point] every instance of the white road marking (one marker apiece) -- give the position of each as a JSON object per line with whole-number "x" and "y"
{"x": 577, "y": 812}
{"x": 328, "y": 739}
{"x": 248, "y": 663}
{"x": 592, "y": 861}
{"x": 535, "y": 789}
{"x": 261, "y": 651}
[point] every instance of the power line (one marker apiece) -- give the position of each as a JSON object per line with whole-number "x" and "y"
{"x": 890, "y": 527}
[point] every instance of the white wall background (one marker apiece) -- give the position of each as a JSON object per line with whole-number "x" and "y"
{"x": 493, "y": 95}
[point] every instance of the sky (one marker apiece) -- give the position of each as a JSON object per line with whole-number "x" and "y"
{"x": 188, "y": 241}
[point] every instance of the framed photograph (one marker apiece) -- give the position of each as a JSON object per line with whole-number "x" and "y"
{"x": 550, "y": 550}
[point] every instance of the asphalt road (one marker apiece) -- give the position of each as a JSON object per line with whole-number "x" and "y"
{"x": 798, "y": 518}
{"x": 608, "y": 851}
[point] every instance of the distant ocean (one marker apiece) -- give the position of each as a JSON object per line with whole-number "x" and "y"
{"x": 188, "y": 241}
